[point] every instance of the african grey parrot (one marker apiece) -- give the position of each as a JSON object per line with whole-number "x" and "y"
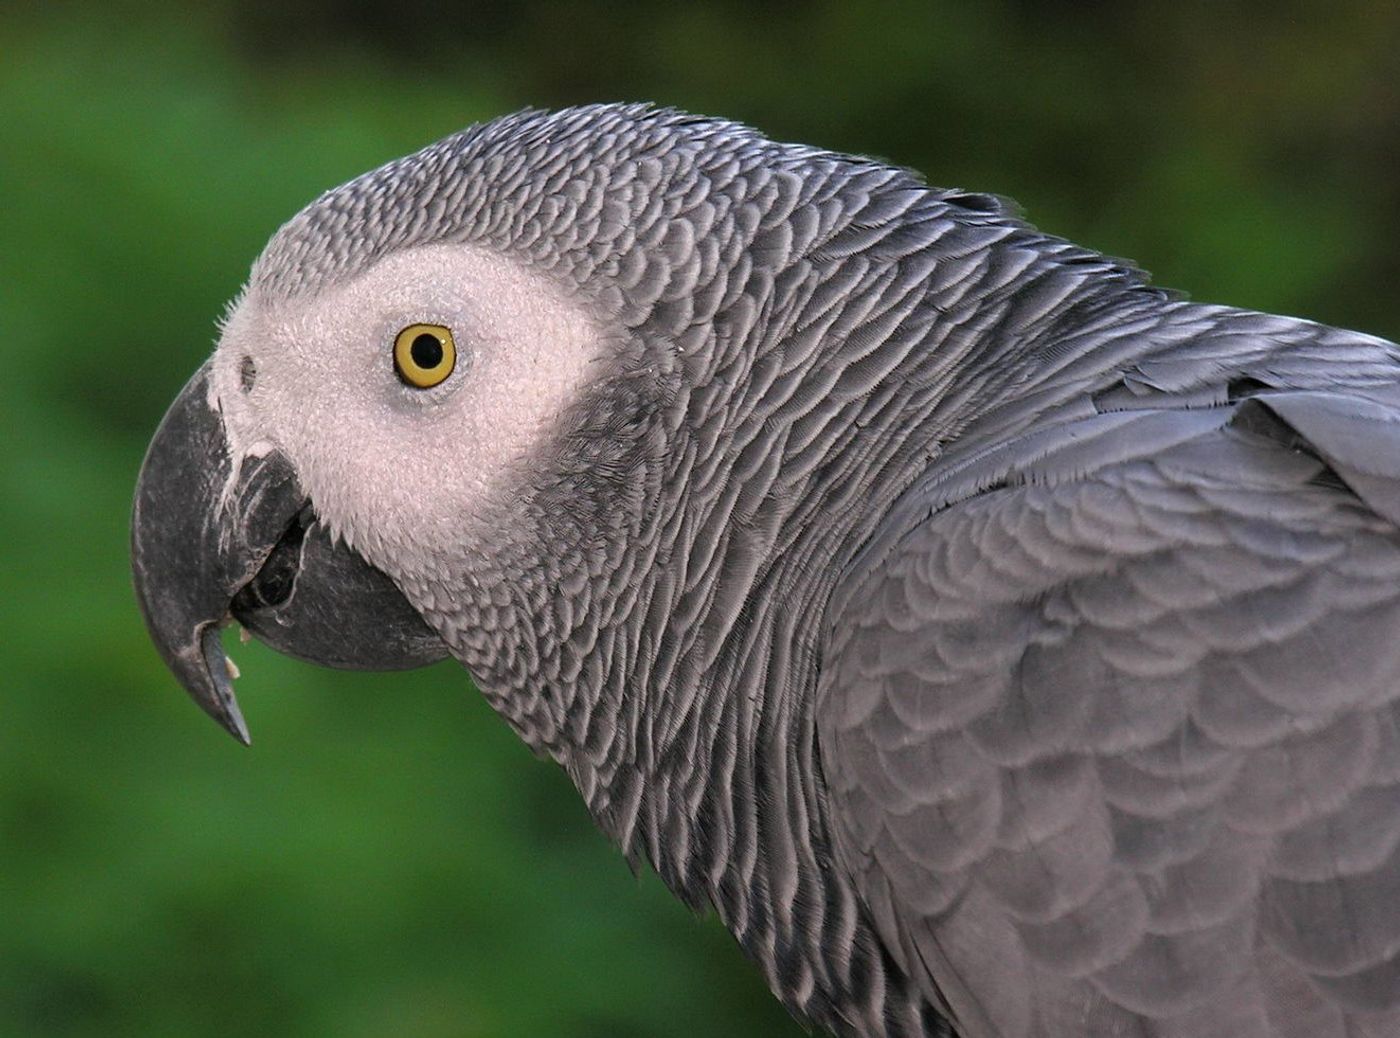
{"x": 1002, "y": 646}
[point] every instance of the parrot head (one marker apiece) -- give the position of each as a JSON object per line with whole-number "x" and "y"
{"x": 403, "y": 403}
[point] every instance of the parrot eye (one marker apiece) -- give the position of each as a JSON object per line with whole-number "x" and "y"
{"x": 424, "y": 355}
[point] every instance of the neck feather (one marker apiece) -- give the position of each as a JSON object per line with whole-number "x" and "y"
{"x": 666, "y": 649}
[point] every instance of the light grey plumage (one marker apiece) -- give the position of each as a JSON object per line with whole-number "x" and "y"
{"x": 982, "y": 632}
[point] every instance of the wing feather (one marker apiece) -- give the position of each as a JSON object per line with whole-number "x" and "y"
{"x": 1110, "y": 721}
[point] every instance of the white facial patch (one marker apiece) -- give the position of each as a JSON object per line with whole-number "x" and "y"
{"x": 399, "y": 471}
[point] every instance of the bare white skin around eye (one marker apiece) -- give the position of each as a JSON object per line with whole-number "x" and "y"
{"x": 389, "y": 466}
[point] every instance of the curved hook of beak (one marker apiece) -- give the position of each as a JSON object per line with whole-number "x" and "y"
{"x": 210, "y": 544}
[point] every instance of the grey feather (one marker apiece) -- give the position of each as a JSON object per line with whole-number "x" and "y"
{"x": 993, "y": 640}
{"x": 1222, "y": 690}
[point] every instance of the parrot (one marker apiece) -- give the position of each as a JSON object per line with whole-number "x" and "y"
{"x": 1000, "y": 645}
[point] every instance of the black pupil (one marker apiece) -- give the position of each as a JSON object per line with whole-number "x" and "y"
{"x": 426, "y": 351}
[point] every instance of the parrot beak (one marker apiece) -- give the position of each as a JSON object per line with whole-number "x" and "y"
{"x": 209, "y": 545}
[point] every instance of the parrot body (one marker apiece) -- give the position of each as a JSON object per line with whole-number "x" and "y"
{"x": 1002, "y": 646}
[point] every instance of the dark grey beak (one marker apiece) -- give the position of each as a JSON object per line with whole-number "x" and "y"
{"x": 204, "y": 551}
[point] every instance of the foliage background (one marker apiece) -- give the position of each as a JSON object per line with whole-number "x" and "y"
{"x": 386, "y": 859}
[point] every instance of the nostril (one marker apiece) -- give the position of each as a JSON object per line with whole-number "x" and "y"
{"x": 247, "y": 374}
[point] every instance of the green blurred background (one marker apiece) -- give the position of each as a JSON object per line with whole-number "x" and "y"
{"x": 386, "y": 859}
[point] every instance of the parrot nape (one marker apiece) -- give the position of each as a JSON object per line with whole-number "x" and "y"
{"x": 1002, "y": 646}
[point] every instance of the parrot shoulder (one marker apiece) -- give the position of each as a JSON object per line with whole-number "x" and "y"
{"x": 1109, "y": 718}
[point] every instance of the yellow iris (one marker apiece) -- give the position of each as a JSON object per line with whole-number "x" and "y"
{"x": 424, "y": 355}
